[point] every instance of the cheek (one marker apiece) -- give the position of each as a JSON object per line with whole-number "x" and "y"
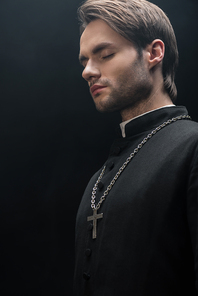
{"x": 125, "y": 74}
{"x": 114, "y": 72}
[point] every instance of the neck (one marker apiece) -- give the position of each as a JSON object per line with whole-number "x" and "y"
{"x": 155, "y": 101}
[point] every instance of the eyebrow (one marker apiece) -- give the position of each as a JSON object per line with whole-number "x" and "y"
{"x": 96, "y": 50}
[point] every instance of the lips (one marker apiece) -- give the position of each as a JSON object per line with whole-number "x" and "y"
{"x": 96, "y": 88}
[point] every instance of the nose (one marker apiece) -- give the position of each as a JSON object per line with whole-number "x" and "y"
{"x": 91, "y": 71}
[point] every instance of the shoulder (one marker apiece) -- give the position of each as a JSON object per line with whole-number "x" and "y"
{"x": 189, "y": 130}
{"x": 185, "y": 128}
{"x": 180, "y": 138}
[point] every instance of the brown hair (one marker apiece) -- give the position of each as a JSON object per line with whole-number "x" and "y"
{"x": 140, "y": 22}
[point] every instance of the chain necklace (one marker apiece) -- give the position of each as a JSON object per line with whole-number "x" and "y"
{"x": 95, "y": 207}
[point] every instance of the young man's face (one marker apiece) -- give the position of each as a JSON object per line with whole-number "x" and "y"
{"x": 117, "y": 76}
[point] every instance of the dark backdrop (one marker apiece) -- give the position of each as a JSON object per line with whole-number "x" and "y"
{"x": 53, "y": 139}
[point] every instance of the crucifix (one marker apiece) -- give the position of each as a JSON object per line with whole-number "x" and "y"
{"x": 94, "y": 218}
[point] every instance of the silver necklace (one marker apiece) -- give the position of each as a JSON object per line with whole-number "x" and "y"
{"x": 95, "y": 207}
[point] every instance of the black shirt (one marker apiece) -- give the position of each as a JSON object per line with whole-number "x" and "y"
{"x": 147, "y": 240}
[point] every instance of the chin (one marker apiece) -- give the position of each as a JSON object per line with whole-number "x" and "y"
{"x": 100, "y": 103}
{"x": 106, "y": 104}
{"x": 105, "y": 108}
{"x": 101, "y": 109}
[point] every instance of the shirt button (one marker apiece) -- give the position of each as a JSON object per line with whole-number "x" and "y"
{"x": 90, "y": 227}
{"x": 100, "y": 185}
{"x": 88, "y": 252}
{"x": 86, "y": 276}
{"x": 111, "y": 165}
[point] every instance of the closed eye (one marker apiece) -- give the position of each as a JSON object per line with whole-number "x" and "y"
{"x": 108, "y": 56}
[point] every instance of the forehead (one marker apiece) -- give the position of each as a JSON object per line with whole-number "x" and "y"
{"x": 98, "y": 31}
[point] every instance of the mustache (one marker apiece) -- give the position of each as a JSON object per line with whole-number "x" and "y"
{"x": 105, "y": 82}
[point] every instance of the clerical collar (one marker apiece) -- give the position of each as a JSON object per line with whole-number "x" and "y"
{"x": 123, "y": 124}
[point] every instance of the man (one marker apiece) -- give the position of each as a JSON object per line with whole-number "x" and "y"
{"x": 137, "y": 224}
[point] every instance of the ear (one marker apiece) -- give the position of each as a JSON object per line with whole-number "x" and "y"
{"x": 156, "y": 51}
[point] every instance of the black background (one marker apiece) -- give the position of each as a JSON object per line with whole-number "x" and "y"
{"x": 53, "y": 139}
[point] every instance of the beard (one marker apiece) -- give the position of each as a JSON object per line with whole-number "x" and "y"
{"x": 132, "y": 87}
